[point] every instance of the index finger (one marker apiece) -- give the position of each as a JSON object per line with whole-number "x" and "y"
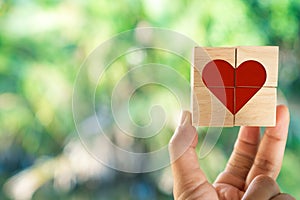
{"x": 270, "y": 153}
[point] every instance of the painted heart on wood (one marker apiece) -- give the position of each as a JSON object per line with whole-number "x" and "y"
{"x": 234, "y": 87}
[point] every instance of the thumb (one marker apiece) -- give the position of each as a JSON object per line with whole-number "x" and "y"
{"x": 184, "y": 138}
{"x": 188, "y": 177}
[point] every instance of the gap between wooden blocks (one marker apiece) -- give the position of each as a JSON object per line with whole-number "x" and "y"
{"x": 234, "y": 86}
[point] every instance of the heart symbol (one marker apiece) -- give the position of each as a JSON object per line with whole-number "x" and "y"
{"x": 234, "y": 87}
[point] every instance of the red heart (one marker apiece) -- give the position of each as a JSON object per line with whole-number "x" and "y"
{"x": 234, "y": 87}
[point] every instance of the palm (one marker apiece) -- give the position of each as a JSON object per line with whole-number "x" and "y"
{"x": 250, "y": 158}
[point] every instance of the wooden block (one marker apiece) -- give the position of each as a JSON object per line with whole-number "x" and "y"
{"x": 237, "y": 88}
{"x": 266, "y": 55}
{"x": 203, "y": 55}
{"x": 208, "y": 110}
{"x": 260, "y": 110}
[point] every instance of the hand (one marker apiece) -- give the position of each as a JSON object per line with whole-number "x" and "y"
{"x": 250, "y": 172}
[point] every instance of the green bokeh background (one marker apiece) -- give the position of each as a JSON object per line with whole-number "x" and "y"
{"x": 42, "y": 45}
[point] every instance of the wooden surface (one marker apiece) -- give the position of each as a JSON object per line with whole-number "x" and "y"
{"x": 204, "y": 55}
{"x": 212, "y": 109}
{"x": 266, "y": 55}
{"x": 260, "y": 110}
{"x": 208, "y": 110}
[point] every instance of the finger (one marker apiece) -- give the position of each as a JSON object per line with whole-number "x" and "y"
{"x": 184, "y": 138}
{"x": 189, "y": 180}
{"x": 261, "y": 188}
{"x": 270, "y": 153}
{"x": 283, "y": 196}
{"x": 241, "y": 158}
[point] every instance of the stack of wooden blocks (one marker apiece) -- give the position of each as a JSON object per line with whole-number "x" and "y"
{"x": 234, "y": 86}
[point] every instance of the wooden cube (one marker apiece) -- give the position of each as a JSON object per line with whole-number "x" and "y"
{"x": 202, "y": 56}
{"x": 234, "y": 86}
{"x": 259, "y": 110}
{"x": 266, "y": 55}
{"x": 208, "y": 110}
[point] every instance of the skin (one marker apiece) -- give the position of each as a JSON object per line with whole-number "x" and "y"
{"x": 250, "y": 172}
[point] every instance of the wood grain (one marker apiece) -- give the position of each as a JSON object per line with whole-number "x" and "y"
{"x": 266, "y": 55}
{"x": 259, "y": 111}
{"x": 203, "y": 55}
{"x": 208, "y": 110}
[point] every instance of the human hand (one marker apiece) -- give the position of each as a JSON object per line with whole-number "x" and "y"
{"x": 250, "y": 172}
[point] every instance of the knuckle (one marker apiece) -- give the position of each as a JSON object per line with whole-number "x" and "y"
{"x": 264, "y": 164}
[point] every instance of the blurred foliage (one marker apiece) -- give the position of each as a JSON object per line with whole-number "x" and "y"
{"x": 43, "y": 43}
